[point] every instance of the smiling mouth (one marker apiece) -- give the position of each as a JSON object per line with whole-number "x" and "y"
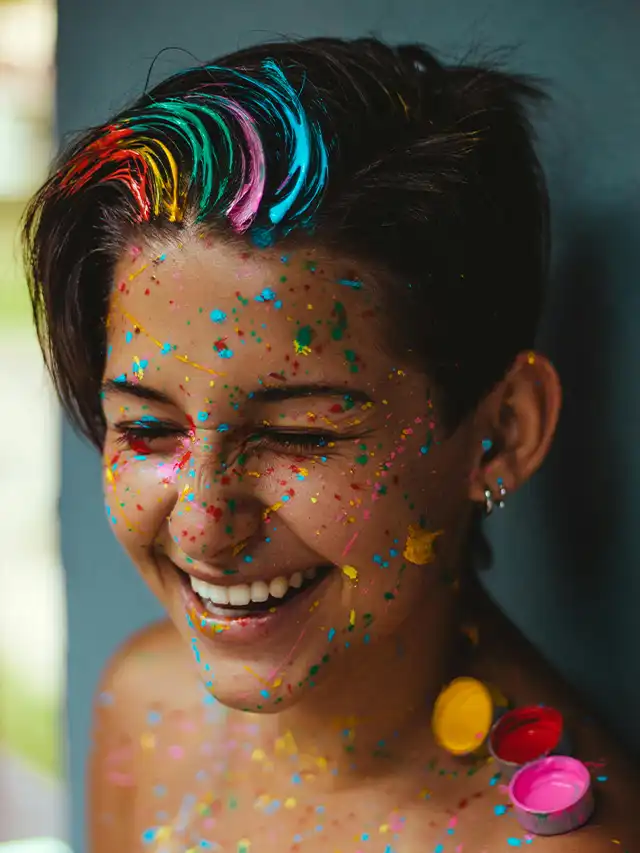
{"x": 257, "y": 598}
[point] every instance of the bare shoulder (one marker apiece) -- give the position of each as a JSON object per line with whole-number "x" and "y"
{"x": 150, "y": 673}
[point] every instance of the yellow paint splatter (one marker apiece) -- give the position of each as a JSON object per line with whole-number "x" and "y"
{"x": 290, "y": 803}
{"x": 301, "y": 349}
{"x": 138, "y": 369}
{"x": 351, "y": 572}
{"x": 137, "y": 272}
{"x": 274, "y": 508}
{"x": 352, "y": 617}
{"x": 148, "y": 741}
{"x": 419, "y": 547}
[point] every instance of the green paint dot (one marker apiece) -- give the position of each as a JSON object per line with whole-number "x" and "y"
{"x": 304, "y": 336}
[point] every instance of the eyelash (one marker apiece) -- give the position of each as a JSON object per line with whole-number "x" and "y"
{"x": 291, "y": 442}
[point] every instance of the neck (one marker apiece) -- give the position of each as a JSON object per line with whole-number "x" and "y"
{"x": 375, "y": 708}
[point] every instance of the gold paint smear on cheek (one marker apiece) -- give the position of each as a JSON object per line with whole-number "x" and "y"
{"x": 419, "y": 547}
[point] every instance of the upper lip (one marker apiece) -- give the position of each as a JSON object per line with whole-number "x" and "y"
{"x": 236, "y": 578}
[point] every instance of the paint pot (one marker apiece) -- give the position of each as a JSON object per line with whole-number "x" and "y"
{"x": 526, "y": 734}
{"x": 463, "y": 715}
{"x": 552, "y": 796}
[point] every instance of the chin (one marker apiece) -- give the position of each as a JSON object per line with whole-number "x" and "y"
{"x": 264, "y": 686}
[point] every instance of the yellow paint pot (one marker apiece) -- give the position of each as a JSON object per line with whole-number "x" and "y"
{"x": 463, "y": 715}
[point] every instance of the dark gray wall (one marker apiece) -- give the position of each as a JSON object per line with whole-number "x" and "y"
{"x": 566, "y": 547}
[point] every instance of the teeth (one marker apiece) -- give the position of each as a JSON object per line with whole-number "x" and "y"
{"x": 240, "y": 595}
{"x": 259, "y": 591}
{"x": 278, "y": 587}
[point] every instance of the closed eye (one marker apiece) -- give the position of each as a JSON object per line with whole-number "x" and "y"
{"x": 293, "y": 440}
{"x": 150, "y": 435}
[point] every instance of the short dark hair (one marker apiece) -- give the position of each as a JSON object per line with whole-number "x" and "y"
{"x": 384, "y": 152}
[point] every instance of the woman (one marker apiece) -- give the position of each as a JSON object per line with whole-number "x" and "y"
{"x": 291, "y": 297}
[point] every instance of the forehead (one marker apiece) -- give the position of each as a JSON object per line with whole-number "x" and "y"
{"x": 207, "y": 308}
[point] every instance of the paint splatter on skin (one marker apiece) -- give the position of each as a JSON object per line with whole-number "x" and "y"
{"x": 219, "y": 403}
{"x": 261, "y": 436}
{"x": 419, "y": 545}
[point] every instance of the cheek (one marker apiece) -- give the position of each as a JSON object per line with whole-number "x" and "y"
{"x": 139, "y": 494}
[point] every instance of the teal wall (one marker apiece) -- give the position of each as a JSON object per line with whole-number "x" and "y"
{"x": 566, "y": 548}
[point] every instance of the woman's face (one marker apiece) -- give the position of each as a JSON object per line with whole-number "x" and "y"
{"x": 276, "y": 475}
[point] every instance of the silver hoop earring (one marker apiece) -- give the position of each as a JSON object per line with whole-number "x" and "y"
{"x": 489, "y": 503}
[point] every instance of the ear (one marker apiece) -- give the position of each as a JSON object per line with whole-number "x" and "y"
{"x": 515, "y": 427}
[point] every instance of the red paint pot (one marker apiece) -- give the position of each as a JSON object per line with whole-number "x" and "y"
{"x": 526, "y": 734}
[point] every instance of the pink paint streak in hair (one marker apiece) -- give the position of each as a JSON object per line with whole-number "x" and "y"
{"x": 244, "y": 207}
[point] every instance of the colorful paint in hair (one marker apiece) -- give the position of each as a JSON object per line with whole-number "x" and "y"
{"x": 221, "y": 132}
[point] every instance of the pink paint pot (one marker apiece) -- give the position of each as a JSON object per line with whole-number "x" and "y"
{"x": 526, "y": 734}
{"x": 552, "y": 796}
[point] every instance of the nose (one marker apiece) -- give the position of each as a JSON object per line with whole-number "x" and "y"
{"x": 215, "y": 515}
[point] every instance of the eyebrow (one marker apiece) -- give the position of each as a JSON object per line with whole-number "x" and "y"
{"x": 266, "y": 394}
{"x": 275, "y": 393}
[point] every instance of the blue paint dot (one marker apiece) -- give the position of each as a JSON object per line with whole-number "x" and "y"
{"x": 266, "y": 295}
{"x": 262, "y": 237}
{"x": 203, "y": 416}
{"x": 500, "y": 810}
{"x": 331, "y": 634}
{"x": 217, "y": 316}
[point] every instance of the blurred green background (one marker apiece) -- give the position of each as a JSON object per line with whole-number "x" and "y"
{"x": 32, "y": 613}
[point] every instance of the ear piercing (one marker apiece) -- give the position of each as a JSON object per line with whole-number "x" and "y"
{"x": 490, "y": 503}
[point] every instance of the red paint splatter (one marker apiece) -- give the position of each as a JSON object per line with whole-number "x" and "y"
{"x": 138, "y": 445}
